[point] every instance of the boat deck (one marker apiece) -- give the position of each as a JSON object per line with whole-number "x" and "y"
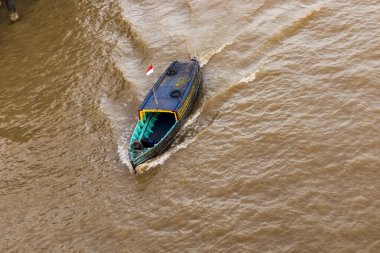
{"x": 181, "y": 81}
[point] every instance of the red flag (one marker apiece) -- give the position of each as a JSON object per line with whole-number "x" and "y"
{"x": 150, "y": 70}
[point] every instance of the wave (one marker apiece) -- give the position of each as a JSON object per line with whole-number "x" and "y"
{"x": 160, "y": 160}
{"x": 126, "y": 27}
{"x": 121, "y": 126}
{"x": 185, "y": 141}
{"x": 250, "y": 77}
{"x": 188, "y": 5}
{"x": 122, "y": 151}
{"x": 221, "y": 97}
{"x": 285, "y": 32}
{"x": 204, "y": 58}
{"x": 290, "y": 30}
{"x": 217, "y": 99}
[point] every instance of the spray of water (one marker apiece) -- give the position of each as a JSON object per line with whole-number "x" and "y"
{"x": 205, "y": 58}
{"x": 250, "y": 78}
{"x": 122, "y": 150}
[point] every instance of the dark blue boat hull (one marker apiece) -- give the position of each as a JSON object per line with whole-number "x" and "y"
{"x": 166, "y": 142}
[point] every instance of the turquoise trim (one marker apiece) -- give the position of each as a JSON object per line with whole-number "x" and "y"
{"x": 143, "y": 127}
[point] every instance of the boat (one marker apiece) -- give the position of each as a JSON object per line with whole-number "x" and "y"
{"x": 164, "y": 110}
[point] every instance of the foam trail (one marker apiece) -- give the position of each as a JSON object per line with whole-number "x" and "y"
{"x": 133, "y": 34}
{"x": 162, "y": 158}
{"x": 123, "y": 153}
{"x": 294, "y": 27}
{"x": 204, "y": 59}
{"x": 119, "y": 123}
{"x": 249, "y": 78}
{"x": 192, "y": 119}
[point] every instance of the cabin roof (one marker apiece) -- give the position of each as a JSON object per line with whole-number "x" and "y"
{"x": 181, "y": 80}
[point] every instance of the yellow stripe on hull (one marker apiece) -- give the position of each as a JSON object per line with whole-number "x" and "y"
{"x": 141, "y": 113}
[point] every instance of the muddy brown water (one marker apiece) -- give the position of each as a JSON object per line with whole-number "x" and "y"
{"x": 281, "y": 154}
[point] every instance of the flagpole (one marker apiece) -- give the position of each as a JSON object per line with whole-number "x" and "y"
{"x": 155, "y": 95}
{"x": 148, "y": 72}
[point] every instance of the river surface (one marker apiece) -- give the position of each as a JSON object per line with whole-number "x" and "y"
{"x": 281, "y": 153}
